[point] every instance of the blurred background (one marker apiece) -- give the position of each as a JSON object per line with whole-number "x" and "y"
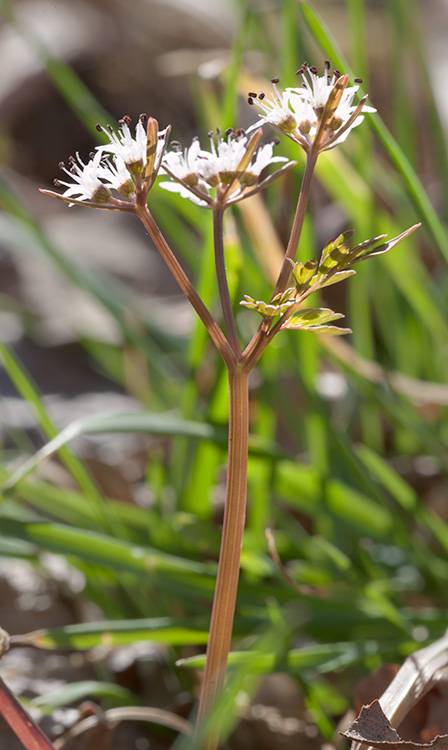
{"x": 348, "y": 456}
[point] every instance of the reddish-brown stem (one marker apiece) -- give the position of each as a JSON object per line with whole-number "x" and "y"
{"x": 221, "y": 275}
{"x": 238, "y": 366}
{"x": 21, "y": 723}
{"x": 261, "y": 337}
{"x": 223, "y": 609}
{"x": 256, "y": 346}
{"x": 229, "y": 557}
{"x": 297, "y": 226}
{"x": 187, "y": 287}
{"x": 235, "y": 508}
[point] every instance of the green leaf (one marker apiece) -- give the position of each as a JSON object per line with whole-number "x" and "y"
{"x": 283, "y": 297}
{"x": 152, "y": 423}
{"x": 334, "y": 252}
{"x": 342, "y": 239}
{"x": 303, "y": 274}
{"x": 265, "y": 309}
{"x": 315, "y": 319}
{"x": 329, "y": 330}
{"x": 28, "y": 390}
{"x": 78, "y": 691}
{"x": 311, "y": 316}
{"x": 358, "y": 510}
{"x": 400, "y": 490}
{"x": 165, "y": 630}
{"x": 101, "y": 549}
{"x": 334, "y": 278}
{"x": 146, "y": 422}
{"x": 337, "y": 257}
{"x": 362, "y": 251}
{"x": 321, "y": 658}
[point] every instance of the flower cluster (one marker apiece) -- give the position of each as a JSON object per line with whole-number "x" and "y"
{"x": 319, "y": 113}
{"x": 119, "y": 174}
{"x": 127, "y": 165}
{"x": 230, "y": 171}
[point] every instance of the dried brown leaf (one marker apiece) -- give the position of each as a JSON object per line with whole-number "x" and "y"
{"x": 373, "y": 728}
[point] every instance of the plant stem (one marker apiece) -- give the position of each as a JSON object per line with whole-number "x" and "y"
{"x": 21, "y": 722}
{"x": 296, "y": 230}
{"x": 261, "y": 339}
{"x": 187, "y": 287}
{"x": 229, "y": 557}
{"x": 226, "y": 303}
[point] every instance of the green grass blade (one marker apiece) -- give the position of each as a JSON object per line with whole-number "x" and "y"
{"x": 429, "y": 216}
{"x": 25, "y": 234}
{"x": 290, "y": 36}
{"x": 146, "y": 422}
{"x": 24, "y": 385}
{"x": 320, "y": 658}
{"x": 230, "y": 98}
{"x": 69, "y": 85}
{"x": 78, "y": 691}
{"x": 101, "y": 549}
{"x": 164, "y": 630}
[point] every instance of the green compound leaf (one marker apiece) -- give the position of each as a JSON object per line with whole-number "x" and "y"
{"x": 335, "y": 253}
{"x": 282, "y": 297}
{"x": 334, "y": 278}
{"x": 311, "y": 317}
{"x": 303, "y": 275}
{"x": 338, "y": 257}
{"x": 265, "y": 309}
{"x": 362, "y": 251}
{"x": 329, "y": 330}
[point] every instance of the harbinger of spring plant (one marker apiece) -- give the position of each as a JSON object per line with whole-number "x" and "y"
{"x": 317, "y": 116}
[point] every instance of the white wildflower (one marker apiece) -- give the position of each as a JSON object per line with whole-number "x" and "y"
{"x": 197, "y": 172}
{"x": 131, "y": 149}
{"x": 298, "y": 112}
{"x": 87, "y": 185}
{"x": 115, "y": 175}
{"x": 182, "y": 163}
{"x": 263, "y": 157}
{"x": 277, "y": 111}
{"x": 184, "y": 192}
{"x": 220, "y": 164}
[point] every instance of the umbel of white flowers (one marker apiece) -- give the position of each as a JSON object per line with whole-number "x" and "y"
{"x": 318, "y": 115}
{"x": 230, "y": 171}
{"x": 119, "y": 174}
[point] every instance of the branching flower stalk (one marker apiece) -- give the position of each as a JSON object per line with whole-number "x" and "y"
{"x": 119, "y": 176}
